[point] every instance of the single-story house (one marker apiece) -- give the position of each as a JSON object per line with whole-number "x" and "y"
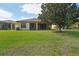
{"x": 26, "y": 24}
{"x": 7, "y": 25}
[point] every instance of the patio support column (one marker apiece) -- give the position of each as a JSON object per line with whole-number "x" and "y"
{"x": 36, "y": 26}
{"x": 27, "y": 26}
{"x": 15, "y": 26}
{"x": 20, "y": 26}
{"x": 11, "y": 26}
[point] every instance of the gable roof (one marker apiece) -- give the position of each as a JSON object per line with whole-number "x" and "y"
{"x": 30, "y": 20}
{"x": 8, "y": 21}
{"x": 33, "y": 20}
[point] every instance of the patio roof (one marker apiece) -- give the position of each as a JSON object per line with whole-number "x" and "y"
{"x": 33, "y": 20}
{"x": 29, "y": 20}
{"x": 9, "y": 21}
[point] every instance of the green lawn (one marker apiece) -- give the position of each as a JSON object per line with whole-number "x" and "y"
{"x": 35, "y": 43}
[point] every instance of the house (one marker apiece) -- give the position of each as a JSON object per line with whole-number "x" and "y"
{"x": 26, "y": 24}
{"x": 75, "y": 25}
{"x": 7, "y": 25}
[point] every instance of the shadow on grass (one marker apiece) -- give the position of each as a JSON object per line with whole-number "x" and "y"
{"x": 72, "y": 33}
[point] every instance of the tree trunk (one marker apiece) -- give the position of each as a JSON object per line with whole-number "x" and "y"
{"x": 60, "y": 29}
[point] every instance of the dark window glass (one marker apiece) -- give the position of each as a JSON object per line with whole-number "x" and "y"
{"x": 23, "y": 25}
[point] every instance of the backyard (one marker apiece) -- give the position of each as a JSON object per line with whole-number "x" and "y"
{"x": 39, "y": 43}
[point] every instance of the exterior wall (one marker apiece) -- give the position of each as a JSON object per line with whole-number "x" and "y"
{"x": 24, "y": 28}
{"x": 42, "y": 26}
{"x": 53, "y": 26}
{"x": 17, "y": 25}
{"x": 11, "y": 26}
{"x": 74, "y": 26}
{"x": 32, "y": 26}
{"x": 27, "y": 26}
{"x": 6, "y": 26}
{"x": 36, "y": 26}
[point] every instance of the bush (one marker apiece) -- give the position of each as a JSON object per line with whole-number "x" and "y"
{"x": 17, "y": 28}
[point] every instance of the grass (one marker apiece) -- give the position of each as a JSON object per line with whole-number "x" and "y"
{"x": 39, "y": 43}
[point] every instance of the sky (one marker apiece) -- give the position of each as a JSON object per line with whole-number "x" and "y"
{"x": 18, "y": 11}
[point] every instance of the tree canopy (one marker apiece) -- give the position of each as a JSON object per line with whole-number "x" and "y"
{"x": 60, "y": 14}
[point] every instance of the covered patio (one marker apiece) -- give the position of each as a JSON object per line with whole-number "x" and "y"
{"x": 7, "y": 25}
{"x": 32, "y": 25}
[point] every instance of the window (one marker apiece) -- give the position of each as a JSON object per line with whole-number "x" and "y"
{"x": 23, "y": 25}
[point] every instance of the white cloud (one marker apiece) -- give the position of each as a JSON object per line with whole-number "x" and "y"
{"x": 5, "y": 15}
{"x": 32, "y": 8}
{"x": 27, "y": 17}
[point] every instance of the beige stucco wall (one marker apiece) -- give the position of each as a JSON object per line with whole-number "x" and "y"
{"x": 36, "y": 26}
{"x": 27, "y": 26}
{"x": 53, "y": 26}
{"x": 18, "y": 25}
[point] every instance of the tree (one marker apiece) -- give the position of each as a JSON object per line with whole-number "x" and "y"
{"x": 60, "y": 14}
